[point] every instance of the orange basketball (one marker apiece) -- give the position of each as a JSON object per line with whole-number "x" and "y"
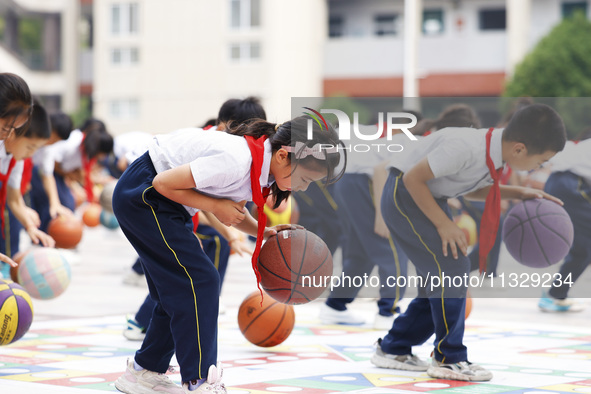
{"x": 468, "y": 305}
{"x": 17, "y": 259}
{"x": 92, "y": 215}
{"x": 66, "y": 231}
{"x": 267, "y": 325}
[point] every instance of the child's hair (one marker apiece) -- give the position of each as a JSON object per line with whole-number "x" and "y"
{"x": 39, "y": 126}
{"x": 295, "y": 131}
{"x": 61, "y": 124}
{"x": 209, "y": 123}
{"x": 97, "y": 139}
{"x": 15, "y": 100}
{"x": 91, "y": 124}
{"x": 239, "y": 111}
{"x": 585, "y": 134}
{"x": 538, "y": 127}
{"x": 455, "y": 115}
{"x": 522, "y": 102}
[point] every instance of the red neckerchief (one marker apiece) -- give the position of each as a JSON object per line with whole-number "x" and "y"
{"x": 195, "y": 220}
{"x": 4, "y": 180}
{"x": 27, "y": 174}
{"x": 259, "y": 196}
{"x": 87, "y": 165}
{"x": 491, "y": 216}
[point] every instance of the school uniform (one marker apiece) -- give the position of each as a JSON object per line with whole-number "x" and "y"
{"x": 457, "y": 157}
{"x": 182, "y": 280}
{"x": 129, "y": 145}
{"x": 571, "y": 182}
{"x": 362, "y": 247}
{"x": 44, "y": 164}
{"x": 9, "y": 244}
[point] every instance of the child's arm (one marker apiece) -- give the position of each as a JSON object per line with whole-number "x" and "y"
{"x": 380, "y": 175}
{"x": 15, "y": 202}
{"x": 513, "y": 193}
{"x": 236, "y": 244}
{"x": 451, "y": 235}
{"x": 55, "y": 206}
{"x": 177, "y": 184}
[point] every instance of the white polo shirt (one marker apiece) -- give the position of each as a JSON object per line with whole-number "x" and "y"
{"x": 220, "y": 162}
{"x": 66, "y": 152}
{"x": 360, "y": 161}
{"x": 575, "y": 158}
{"x": 14, "y": 180}
{"x": 131, "y": 145}
{"x": 457, "y": 157}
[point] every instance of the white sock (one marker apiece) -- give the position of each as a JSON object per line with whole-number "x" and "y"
{"x": 136, "y": 366}
{"x": 193, "y": 384}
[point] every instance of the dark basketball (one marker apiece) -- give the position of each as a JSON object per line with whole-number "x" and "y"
{"x": 295, "y": 266}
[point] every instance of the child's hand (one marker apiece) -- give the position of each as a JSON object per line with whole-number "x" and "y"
{"x": 240, "y": 247}
{"x": 60, "y": 210}
{"x": 529, "y": 193}
{"x": 270, "y": 231}
{"x": 33, "y": 216}
{"x": 8, "y": 260}
{"x": 229, "y": 212}
{"x": 38, "y": 236}
{"x": 453, "y": 236}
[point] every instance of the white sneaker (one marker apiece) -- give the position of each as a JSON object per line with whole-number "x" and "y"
{"x": 464, "y": 370}
{"x": 134, "y": 332}
{"x": 329, "y": 315}
{"x": 135, "y": 279}
{"x": 553, "y": 305}
{"x": 145, "y": 382}
{"x": 382, "y": 322}
{"x": 405, "y": 362}
{"x": 213, "y": 384}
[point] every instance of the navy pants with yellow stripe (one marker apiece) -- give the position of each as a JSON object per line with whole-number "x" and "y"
{"x": 576, "y": 195}
{"x": 437, "y": 309}
{"x": 363, "y": 248}
{"x": 182, "y": 279}
{"x": 216, "y": 248}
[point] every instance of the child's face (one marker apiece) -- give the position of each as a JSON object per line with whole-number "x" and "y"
{"x": 288, "y": 179}
{"x": 521, "y": 160}
{"x": 23, "y": 147}
{"x": 9, "y": 125}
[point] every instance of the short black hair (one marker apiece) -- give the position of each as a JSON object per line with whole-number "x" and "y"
{"x": 93, "y": 124}
{"x": 61, "y": 124}
{"x": 39, "y": 126}
{"x": 239, "y": 111}
{"x": 538, "y": 127}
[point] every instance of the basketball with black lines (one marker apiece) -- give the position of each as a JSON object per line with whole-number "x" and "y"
{"x": 16, "y": 312}
{"x": 538, "y": 233}
{"x": 295, "y": 266}
{"x": 265, "y": 325}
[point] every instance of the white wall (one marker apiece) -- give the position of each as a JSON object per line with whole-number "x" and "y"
{"x": 185, "y": 72}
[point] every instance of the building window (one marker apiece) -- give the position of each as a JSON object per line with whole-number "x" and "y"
{"x": 245, "y": 51}
{"x": 124, "y": 18}
{"x": 570, "y": 7}
{"x": 336, "y": 26}
{"x": 124, "y": 56}
{"x": 432, "y": 22}
{"x": 492, "y": 19}
{"x": 385, "y": 24}
{"x": 245, "y": 14}
{"x": 124, "y": 109}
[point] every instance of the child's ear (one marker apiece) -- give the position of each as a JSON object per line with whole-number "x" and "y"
{"x": 519, "y": 148}
{"x": 282, "y": 156}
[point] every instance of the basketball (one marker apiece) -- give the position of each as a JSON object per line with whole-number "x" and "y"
{"x": 16, "y": 312}
{"x": 468, "y": 306}
{"x": 44, "y": 273}
{"x": 468, "y": 226}
{"x": 66, "y": 231}
{"x": 538, "y": 233}
{"x": 267, "y": 325}
{"x": 108, "y": 220}
{"x": 18, "y": 258}
{"x": 295, "y": 266}
{"x": 92, "y": 215}
{"x": 106, "y": 196}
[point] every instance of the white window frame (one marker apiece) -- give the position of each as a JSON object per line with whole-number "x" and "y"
{"x": 245, "y": 20}
{"x": 128, "y": 23}
{"x": 245, "y": 52}
{"x": 124, "y": 109}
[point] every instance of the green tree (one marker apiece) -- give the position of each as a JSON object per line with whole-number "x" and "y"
{"x": 558, "y": 66}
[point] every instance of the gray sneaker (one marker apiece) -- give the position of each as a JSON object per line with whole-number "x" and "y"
{"x": 145, "y": 382}
{"x": 405, "y": 362}
{"x": 464, "y": 370}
